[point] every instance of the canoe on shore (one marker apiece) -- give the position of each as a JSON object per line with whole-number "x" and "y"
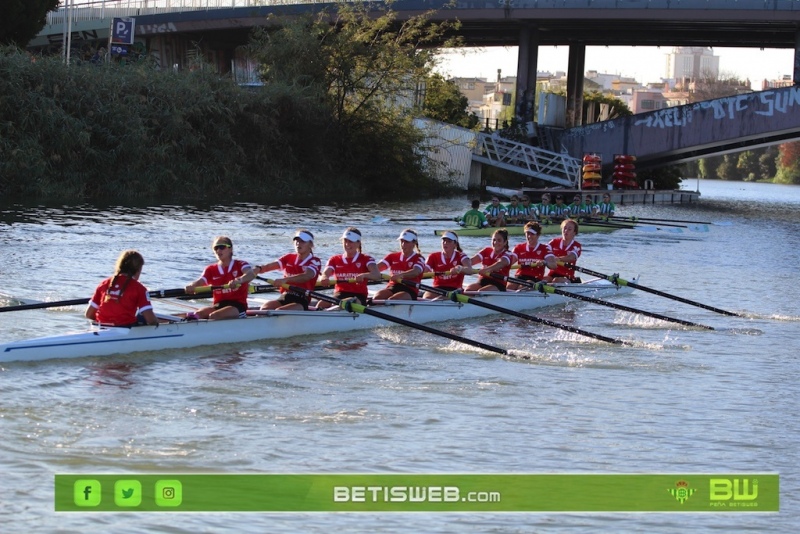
{"x": 101, "y": 341}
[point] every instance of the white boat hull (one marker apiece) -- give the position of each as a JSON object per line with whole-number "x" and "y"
{"x": 106, "y": 341}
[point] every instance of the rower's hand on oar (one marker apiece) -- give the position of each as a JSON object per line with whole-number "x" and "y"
{"x": 324, "y": 281}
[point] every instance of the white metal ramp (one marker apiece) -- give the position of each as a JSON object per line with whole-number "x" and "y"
{"x": 558, "y": 168}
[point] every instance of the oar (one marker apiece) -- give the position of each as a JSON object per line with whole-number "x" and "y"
{"x": 456, "y": 296}
{"x": 633, "y": 221}
{"x": 319, "y": 287}
{"x": 155, "y": 294}
{"x": 615, "y": 279}
{"x": 630, "y": 226}
{"x": 355, "y": 307}
{"x": 162, "y": 293}
{"x": 380, "y": 219}
{"x": 546, "y": 288}
{"x": 637, "y": 219}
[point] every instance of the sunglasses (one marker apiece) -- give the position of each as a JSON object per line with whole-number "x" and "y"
{"x": 221, "y": 247}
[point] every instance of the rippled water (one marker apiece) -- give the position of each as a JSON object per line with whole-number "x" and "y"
{"x": 395, "y": 400}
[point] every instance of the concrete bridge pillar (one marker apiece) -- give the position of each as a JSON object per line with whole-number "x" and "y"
{"x": 796, "y": 73}
{"x": 575, "y": 70}
{"x": 527, "y": 66}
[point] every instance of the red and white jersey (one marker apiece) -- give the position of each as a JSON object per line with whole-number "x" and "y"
{"x": 397, "y": 263}
{"x": 560, "y": 249}
{"x": 291, "y": 265}
{"x": 527, "y": 257}
{"x": 346, "y": 269}
{"x": 218, "y": 275}
{"x": 120, "y": 309}
{"x": 489, "y": 258}
{"x": 439, "y": 263}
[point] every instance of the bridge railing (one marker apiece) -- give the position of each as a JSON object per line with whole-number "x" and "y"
{"x": 559, "y": 168}
{"x": 89, "y": 10}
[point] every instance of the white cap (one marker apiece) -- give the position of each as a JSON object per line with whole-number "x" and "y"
{"x": 407, "y": 236}
{"x": 450, "y": 235}
{"x": 303, "y": 236}
{"x": 351, "y": 236}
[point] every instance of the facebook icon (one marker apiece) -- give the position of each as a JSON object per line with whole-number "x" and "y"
{"x": 122, "y": 31}
{"x": 86, "y": 492}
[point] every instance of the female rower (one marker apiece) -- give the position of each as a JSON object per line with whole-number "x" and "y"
{"x": 532, "y": 257}
{"x": 352, "y": 270}
{"x": 566, "y": 250}
{"x": 495, "y": 259}
{"x": 122, "y": 300}
{"x": 408, "y": 264}
{"x": 300, "y": 269}
{"x": 445, "y": 265}
{"x": 230, "y": 302}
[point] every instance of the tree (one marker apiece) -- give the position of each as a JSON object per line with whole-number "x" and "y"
{"x": 444, "y": 102}
{"x": 362, "y": 63}
{"x": 595, "y": 100}
{"x": 788, "y": 163}
{"x": 21, "y": 20}
{"x": 352, "y": 75}
{"x": 709, "y": 87}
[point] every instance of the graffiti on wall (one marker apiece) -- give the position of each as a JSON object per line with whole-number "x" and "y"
{"x": 765, "y": 103}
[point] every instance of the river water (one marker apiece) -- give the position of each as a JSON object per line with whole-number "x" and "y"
{"x": 401, "y": 401}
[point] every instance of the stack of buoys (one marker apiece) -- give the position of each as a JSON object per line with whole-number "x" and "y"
{"x": 625, "y": 172}
{"x": 591, "y": 171}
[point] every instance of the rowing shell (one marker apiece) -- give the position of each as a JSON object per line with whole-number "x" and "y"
{"x": 518, "y": 229}
{"x": 266, "y": 325}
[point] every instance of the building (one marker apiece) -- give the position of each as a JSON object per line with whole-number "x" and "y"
{"x": 692, "y": 63}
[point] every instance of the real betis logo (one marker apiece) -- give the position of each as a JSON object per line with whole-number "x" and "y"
{"x": 681, "y": 491}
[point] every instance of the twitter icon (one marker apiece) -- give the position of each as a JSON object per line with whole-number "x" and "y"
{"x": 127, "y": 493}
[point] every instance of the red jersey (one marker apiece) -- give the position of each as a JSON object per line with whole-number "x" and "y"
{"x": 397, "y": 263}
{"x": 218, "y": 275}
{"x": 527, "y": 257}
{"x": 439, "y": 263}
{"x": 120, "y": 309}
{"x": 291, "y": 264}
{"x": 488, "y": 258}
{"x": 562, "y": 249}
{"x": 347, "y": 269}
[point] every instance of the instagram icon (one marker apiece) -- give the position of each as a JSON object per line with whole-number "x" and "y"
{"x": 169, "y": 493}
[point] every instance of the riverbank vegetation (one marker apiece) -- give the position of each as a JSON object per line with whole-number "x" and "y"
{"x": 332, "y": 120}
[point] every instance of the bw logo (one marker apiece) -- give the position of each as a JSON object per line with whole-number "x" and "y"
{"x": 681, "y": 491}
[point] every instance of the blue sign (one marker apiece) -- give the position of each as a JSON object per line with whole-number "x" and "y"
{"x": 119, "y": 50}
{"x": 122, "y": 31}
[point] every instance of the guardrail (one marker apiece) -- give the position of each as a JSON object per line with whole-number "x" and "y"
{"x": 89, "y": 10}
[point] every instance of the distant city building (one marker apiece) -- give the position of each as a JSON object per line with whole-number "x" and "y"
{"x": 644, "y": 100}
{"x": 692, "y": 63}
{"x": 785, "y": 81}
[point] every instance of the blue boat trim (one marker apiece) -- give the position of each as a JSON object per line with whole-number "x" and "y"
{"x": 93, "y": 342}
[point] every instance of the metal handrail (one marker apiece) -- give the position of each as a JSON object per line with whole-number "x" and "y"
{"x": 559, "y": 168}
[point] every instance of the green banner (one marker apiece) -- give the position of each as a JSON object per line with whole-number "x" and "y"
{"x": 723, "y": 492}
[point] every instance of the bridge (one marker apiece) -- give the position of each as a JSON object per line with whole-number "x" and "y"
{"x": 170, "y": 28}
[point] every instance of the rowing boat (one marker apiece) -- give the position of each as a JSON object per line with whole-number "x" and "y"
{"x": 518, "y": 229}
{"x": 275, "y": 324}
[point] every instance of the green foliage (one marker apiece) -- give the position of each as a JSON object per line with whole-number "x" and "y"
{"x": 595, "y": 99}
{"x": 788, "y": 163}
{"x": 757, "y": 164}
{"x": 444, "y": 102}
{"x": 21, "y": 20}
{"x": 327, "y": 123}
